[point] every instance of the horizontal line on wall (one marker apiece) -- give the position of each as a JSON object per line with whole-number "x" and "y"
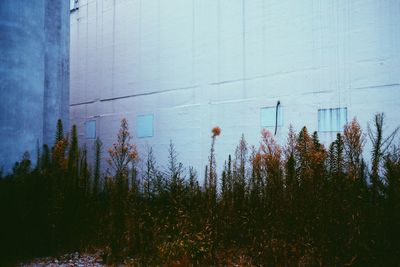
{"x": 134, "y": 95}
{"x": 318, "y": 92}
{"x": 82, "y": 103}
{"x": 269, "y": 75}
{"x": 148, "y": 93}
{"x": 227, "y": 81}
{"x": 376, "y": 86}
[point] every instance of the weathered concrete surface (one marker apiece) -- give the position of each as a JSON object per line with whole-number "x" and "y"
{"x": 195, "y": 64}
{"x": 56, "y": 64}
{"x": 34, "y": 75}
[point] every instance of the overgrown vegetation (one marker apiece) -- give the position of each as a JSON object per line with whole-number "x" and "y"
{"x": 294, "y": 205}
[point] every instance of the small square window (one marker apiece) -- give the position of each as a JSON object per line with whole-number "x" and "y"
{"x": 144, "y": 126}
{"x": 90, "y": 129}
{"x": 332, "y": 119}
{"x": 272, "y": 116}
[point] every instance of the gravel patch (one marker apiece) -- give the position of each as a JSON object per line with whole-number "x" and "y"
{"x": 68, "y": 260}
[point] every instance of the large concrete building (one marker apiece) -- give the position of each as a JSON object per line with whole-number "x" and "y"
{"x": 34, "y": 75}
{"x": 177, "y": 68}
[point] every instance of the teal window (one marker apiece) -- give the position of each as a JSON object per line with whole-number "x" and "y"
{"x": 90, "y": 129}
{"x": 144, "y": 126}
{"x": 272, "y": 116}
{"x": 332, "y": 119}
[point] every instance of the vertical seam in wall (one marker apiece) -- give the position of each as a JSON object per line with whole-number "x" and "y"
{"x": 264, "y": 29}
{"x": 113, "y": 56}
{"x": 66, "y": 93}
{"x": 219, "y": 40}
{"x": 193, "y": 52}
{"x": 77, "y": 47}
{"x": 313, "y": 40}
{"x": 158, "y": 44}
{"x": 244, "y": 48}
{"x": 87, "y": 52}
{"x": 97, "y": 38}
{"x": 140, "y": 45}
{"x": 62, "y": 65}
{"x": 338, "y": 59}
{"x": 393, "y": 30}
{"x": 102, "y": 38}
{"x": 349, "y": 10}
{"x": 97, "y": 18}
{"x": 97, "y": 66}
{"x": 347, "y": 71}
{"x": 44, "y": 76}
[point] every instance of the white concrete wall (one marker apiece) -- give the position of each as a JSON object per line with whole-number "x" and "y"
{"x": 196, "y": 64}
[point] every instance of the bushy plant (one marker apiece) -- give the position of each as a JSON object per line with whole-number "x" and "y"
{"x": 294, "y": 205}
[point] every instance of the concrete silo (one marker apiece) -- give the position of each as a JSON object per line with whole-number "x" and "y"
{"x": 34, "y": 74}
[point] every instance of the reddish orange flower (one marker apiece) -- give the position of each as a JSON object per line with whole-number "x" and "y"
{"x": 216, "y": 131}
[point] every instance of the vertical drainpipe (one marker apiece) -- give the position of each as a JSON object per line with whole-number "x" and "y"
{"x": 276, "y": 115}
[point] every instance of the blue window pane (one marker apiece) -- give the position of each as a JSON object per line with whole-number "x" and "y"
{"x": 332, "y": 119}
{"x": 90, "y": 129}
{"x": 144, "y": 126}
{"x": 268, "y": 117}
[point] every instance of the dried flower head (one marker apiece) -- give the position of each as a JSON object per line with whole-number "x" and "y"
{"x": 216, "y": 131}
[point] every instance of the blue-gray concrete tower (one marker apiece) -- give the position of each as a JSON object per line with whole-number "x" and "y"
{"x": 34, "y": 74}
